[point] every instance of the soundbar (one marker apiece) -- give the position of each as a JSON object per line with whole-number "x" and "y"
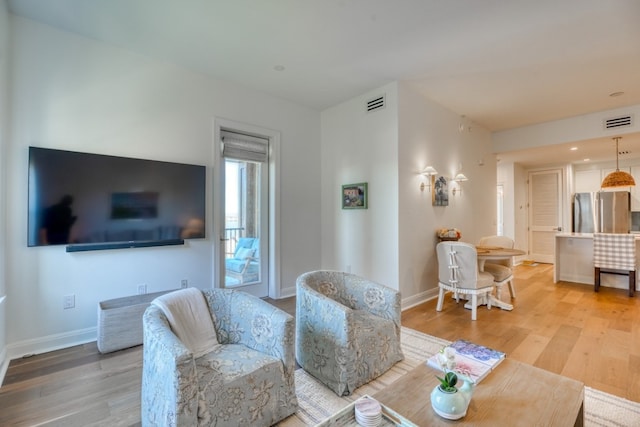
{"x": 81, "y": 247}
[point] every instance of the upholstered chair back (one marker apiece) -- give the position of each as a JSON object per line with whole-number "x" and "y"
{"x": 614, "y": 251}
{"x": 457, "y": 264}
{"x": 501, "y": 242}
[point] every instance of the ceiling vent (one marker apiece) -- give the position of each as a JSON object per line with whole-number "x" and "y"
{"x": 618, "y": 122}
{"x": 376, "y": 103}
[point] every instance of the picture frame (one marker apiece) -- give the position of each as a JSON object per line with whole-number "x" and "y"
{"x": 355, "y": 196}
{"x": 440, "y": 193}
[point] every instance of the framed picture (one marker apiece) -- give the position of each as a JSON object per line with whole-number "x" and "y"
{"x": 355, "y": 196}
{"x": 440, "y": 193}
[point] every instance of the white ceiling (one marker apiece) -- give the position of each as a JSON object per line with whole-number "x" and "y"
{"x": 501, "y": 64}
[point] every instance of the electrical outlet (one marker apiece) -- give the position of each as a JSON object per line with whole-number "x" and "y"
{"x": 184, "y": 283}
{"x": 68, "y": 301}
{"x": 142, "y": 289}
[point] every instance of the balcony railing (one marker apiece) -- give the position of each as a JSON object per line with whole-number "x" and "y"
{"x": 231, "y": 236}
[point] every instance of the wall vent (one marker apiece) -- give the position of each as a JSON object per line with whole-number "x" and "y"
{"x": 618, "y": 122}
{"x": 376, "y": 103}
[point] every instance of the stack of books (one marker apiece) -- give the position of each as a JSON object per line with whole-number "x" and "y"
{"x": 471, "y": 360}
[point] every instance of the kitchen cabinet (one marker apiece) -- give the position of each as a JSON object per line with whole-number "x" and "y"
{"x": 587, "y": 181}
{"x": 635, "y": 191}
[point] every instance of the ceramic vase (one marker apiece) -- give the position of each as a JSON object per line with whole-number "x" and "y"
{"x": 451, "y": 405}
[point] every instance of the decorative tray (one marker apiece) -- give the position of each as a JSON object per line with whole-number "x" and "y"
{"x": 346, "y": 417}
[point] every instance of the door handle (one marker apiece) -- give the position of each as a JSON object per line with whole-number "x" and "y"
{"x": 557, "y": 228}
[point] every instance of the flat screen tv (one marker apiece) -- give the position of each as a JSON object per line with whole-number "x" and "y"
{"x": 94, "y": 201}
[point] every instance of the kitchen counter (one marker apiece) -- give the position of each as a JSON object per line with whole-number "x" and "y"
{"x": 574, "y": 261}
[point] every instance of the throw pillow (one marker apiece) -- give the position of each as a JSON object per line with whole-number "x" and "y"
{"x": 244, "y": 253}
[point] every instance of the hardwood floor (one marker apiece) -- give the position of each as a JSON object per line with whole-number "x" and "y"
{"x": 564, "y": 328}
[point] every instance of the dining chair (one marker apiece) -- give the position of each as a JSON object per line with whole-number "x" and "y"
{"x": 502, "y": 269}
{"x": 615, "y": 253}
{"x": 458, "y": 273}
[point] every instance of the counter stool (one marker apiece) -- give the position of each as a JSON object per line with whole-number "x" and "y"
{"x": 615, "y": 253}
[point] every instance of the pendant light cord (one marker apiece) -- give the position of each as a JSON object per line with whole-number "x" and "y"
{"x": 617, "y": 138}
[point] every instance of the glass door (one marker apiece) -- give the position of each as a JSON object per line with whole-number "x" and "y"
{"x": 245, "y": 232}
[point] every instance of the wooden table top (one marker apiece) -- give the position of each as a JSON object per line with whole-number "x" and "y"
{"x": 495, "y": 251}
{"x": 514, "y": 394}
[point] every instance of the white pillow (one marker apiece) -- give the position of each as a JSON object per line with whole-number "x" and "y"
{"x": 244, "y": 253}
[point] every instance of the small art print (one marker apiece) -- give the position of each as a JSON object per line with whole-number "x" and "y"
{"x": 355, "y": 196}
{"x": 440, "y": 195}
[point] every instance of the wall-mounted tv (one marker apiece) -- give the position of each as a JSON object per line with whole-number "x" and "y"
{"x": 93, "y": 201}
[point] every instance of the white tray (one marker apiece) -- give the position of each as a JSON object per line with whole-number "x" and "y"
{"x": 347, "y": 417}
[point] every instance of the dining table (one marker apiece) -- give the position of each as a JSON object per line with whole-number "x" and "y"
{"x": 494, "y": 253}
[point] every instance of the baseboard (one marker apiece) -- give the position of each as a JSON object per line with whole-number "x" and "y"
{"x": 50, "y": 343}
{"x": 4, "y": 364}
{"x": 414, "y": 300}
{"x": 287, "y": 292}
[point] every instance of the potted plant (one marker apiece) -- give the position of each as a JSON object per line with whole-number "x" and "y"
{"x": 447, "y": 400}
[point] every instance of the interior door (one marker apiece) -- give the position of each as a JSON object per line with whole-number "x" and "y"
{"x": 244, "y": 212}
{"x": 545, "y": 213}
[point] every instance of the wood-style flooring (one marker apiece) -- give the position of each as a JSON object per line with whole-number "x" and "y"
{"x": 564, "y": 328}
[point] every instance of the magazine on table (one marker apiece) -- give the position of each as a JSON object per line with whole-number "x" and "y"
{"x": 467, "y": 359}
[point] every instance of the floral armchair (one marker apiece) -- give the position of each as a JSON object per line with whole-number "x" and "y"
{"x": 347, "y": 329}
{"x": 246, "y": 379}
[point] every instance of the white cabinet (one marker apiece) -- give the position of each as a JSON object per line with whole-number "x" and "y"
{"x": 635, "y": 191}
{"x": 587, "y": 181}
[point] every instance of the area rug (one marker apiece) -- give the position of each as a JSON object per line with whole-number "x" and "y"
{"x": 318, "y": 402}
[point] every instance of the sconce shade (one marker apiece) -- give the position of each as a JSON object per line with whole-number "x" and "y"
{"x": 618, "y": 178}
{"x": 460, "y": 177}
{"x": 429, "y": 171}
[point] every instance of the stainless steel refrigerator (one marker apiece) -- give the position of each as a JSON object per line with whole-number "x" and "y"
{"x": 602, "y": 212}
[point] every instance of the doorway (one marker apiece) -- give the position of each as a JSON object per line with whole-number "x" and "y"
{"x": 244, "y": 209}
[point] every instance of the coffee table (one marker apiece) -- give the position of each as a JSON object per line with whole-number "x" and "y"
{"x": 513, "y": 394}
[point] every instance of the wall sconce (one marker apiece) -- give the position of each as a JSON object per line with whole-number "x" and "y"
{"x": 458, "y": 179}
{"x": 430, "y": 173}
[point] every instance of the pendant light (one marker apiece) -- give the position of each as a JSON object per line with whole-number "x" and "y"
{"x": 618, "y": 178}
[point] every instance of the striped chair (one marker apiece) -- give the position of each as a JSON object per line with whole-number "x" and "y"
{"x": 615, "y": 253}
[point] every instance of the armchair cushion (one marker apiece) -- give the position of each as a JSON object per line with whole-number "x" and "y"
{"x": 244, "y": 253}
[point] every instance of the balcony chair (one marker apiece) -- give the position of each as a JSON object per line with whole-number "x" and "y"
{"x": 501, "y": 270}
{"x": 217, "y": 357}
{"x": 458, "y": 273}
{"x": 615, "y": 253}
{"x": 347, "y": 329}
{"x": 244, "y": 266}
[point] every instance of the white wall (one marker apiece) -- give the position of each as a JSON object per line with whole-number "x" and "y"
{"x": 4, "y": 134}
{"x": 514, "y": 179}
{"x": 393, "y": 242}
{"x": 572, "y": 129}
{"x": 74, "y": 93}
{"x": 361, "y": 147}
{"x": 430, "y": 135}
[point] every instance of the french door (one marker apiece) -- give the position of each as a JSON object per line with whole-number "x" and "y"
{"x": 244, "y": 211}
